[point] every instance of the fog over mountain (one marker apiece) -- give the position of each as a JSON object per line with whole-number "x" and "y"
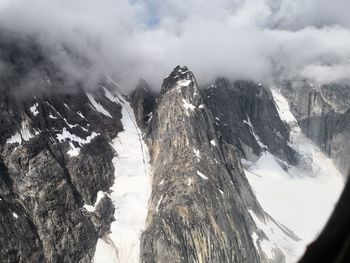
{"x": 253, "y": 39}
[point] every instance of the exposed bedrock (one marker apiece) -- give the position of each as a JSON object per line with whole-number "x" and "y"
{"x": 54, "y": 158}
{"x": 200, "y": 196}
{"x": 246, "y": 116}
{"x": 323, "y": 113}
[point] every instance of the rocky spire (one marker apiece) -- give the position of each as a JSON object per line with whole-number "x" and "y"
{"x": 197, "y": 212}
{"x": 178, "y": 75}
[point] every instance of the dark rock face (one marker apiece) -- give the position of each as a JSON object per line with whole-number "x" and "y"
{"x": 337, "y": 95}
{"x": 323, "y": 114}
{"x": 142, "y": 100}
{"x": 200, "y": 196}
{"x": 331, "y": 132}
{"x": 50, "y": 186}
{"x": 19, "y": 238}
{"x": 54, "y": 158}
{"x": 244, "y": 114}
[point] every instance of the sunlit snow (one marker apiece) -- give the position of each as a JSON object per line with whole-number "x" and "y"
{"x": 67, "y": 136}
{"x": 91, "y": 208}
{"x": 197, "y": 153}
{"x": 34, "y": 109}
{"x": 23, "y": 134}
{"x": 202, "y": 175}
{"x": 188, "y": 106}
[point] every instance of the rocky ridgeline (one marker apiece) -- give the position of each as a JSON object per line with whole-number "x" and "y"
{"x": 54, "y": 158}
{"x": 199, "y": 208}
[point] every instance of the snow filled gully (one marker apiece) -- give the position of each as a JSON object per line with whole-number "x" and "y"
{"x": 130, "y": 192}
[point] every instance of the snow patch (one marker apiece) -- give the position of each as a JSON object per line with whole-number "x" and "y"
{"x": 15, "y": 215}
{"x": 80, "y": 115}
{"x": 212, "y": 142}
{"x": 188, "y": 106}
{"x": 110, "y": 96}
{"x": 64, "y": 119}
{"x": 105, "y": 251}
{"x": 202, "y": 175}
{"x": 277, "y": 238}
{"x": 197, "y": 153}
{"x": 159, "y": 202}
{"x": 97, "y": 106}
{"x": 24, "y": 134}
{"x": 184, "y": 83}
{"x": 16, "y": 138}
{"x": 189, "y": 181}
{"x": 283, "y": 107}
{"x": 249, "y": 123}
{"x": 67, "y": 136}
{"x": 52, "y": 117}
{"x": 34, "y": 109}
{"x": 91, "y": 208}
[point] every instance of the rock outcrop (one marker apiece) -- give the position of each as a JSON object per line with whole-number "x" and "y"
{"x": 142, "y": 100}
{"x": 246, "y": 116}
{"x": 199, "y": 208}
{"x": 54, "y": 158}
{"x": 323, "y": 113}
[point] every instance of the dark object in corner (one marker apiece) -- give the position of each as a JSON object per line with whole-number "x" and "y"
{"x": 333, "y": 244}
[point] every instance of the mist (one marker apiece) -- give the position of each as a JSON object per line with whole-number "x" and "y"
{"x": 259, "y": 40}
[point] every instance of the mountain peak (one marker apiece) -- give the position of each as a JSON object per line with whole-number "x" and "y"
{"x": 179, "y": 75}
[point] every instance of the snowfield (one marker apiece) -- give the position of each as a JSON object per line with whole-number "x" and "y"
{"x": 301, "y": 197}
{"x": 130, "y": 192}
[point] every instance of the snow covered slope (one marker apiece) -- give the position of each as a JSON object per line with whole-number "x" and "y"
{"x": 130, "y": 192}
{"x": 300, "y": 197}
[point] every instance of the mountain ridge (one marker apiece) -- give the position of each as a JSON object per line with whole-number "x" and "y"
{"x": 61, "y": 159}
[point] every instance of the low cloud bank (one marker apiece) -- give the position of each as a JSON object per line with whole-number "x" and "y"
{"x": 254, "y": 39}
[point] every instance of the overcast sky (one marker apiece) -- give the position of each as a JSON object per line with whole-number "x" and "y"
{"x": 255, "y": 39}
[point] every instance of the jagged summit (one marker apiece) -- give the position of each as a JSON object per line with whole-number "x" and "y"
{"x": 180, "y": 75}
{"x": 202, "y": 208}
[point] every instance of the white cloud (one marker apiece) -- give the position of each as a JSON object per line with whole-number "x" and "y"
{"x": 326, "y": 74}
{"x": 146, "y": 39}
